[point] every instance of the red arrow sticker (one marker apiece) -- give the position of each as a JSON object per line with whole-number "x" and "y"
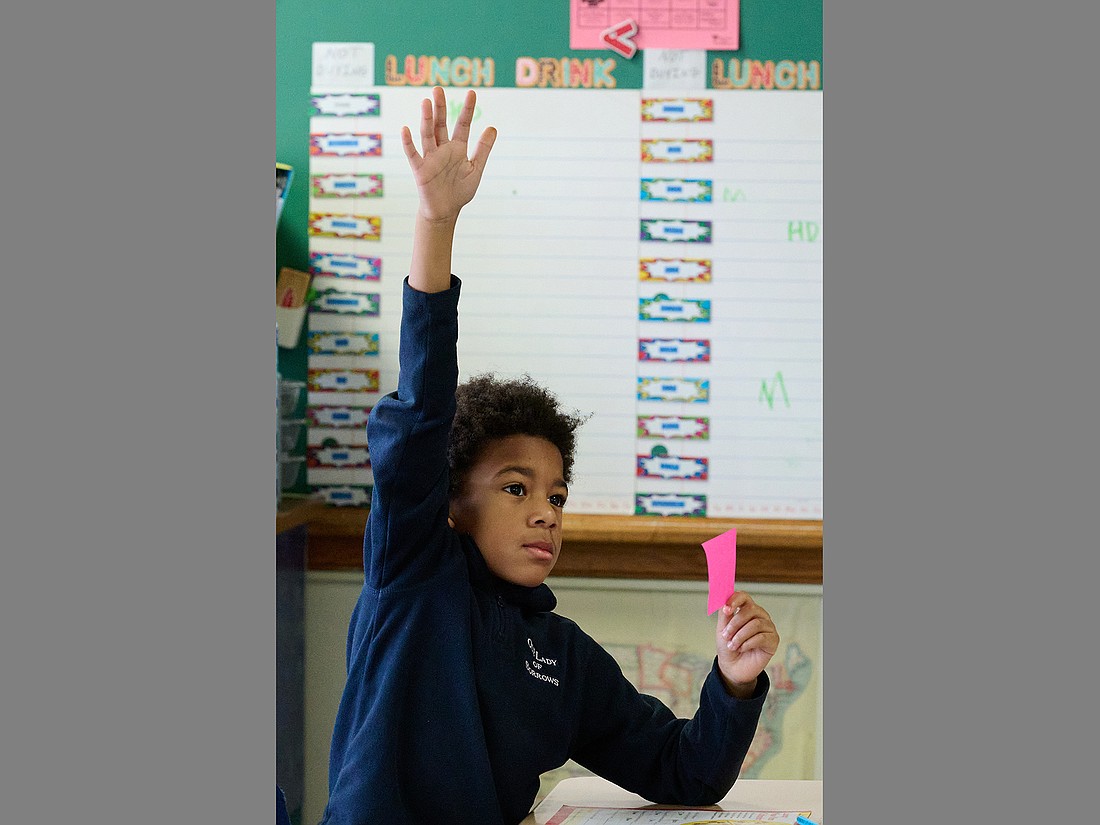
{"x": 618, "y": 37}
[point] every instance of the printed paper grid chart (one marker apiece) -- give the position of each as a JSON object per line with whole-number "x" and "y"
{"x": 565, "y": 256}
{"x": 661, "y": 24}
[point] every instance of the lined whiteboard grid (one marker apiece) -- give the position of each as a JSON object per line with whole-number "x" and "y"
{"x": 757, "y": 189}
{"x": 549, "y": 256}
{"x": 540, "y": 186}
{"x": 570, "y": 272}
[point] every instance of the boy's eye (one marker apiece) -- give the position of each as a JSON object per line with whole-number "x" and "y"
{"x": 514, "y": 489}
{"x": 557, "y": 500}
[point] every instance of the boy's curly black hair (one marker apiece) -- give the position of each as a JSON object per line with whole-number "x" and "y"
{"x": 489, "y": 408}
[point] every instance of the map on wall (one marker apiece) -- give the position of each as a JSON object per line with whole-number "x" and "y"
{"x": 676, "y": 678}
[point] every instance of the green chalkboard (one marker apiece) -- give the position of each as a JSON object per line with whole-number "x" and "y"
{"x": 771, "y": 33}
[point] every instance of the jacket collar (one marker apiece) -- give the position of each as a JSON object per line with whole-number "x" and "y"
{"x": 540, "y": 599}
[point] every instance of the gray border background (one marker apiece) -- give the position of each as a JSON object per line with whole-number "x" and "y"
{"x": 960, "y": 439}
{"x": 137, "y": 351}
{"x": 137, "y": 338}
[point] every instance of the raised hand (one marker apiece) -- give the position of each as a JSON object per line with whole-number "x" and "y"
{"x": 446, "y": 178}
{"x": 746, "y": 640}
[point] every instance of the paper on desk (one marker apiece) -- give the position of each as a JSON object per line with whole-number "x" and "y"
{"x": 570, "y": 815}
{"x": 721, "y": 564}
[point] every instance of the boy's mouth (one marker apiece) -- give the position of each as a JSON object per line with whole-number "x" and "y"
{"x": 540, "y": 549}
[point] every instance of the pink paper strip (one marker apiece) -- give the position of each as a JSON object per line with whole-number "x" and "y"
{"x": 721, "y": 565}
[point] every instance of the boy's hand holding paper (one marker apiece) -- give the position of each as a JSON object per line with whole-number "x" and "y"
{"x": 745, "y": 636}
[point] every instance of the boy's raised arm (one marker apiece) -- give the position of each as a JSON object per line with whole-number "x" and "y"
{"x": 446, "y": 180}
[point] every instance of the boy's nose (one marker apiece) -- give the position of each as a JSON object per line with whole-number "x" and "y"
{"x": 543, "y": 516}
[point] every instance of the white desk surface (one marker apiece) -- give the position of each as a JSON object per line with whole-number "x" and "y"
{"x": 746, "y": 795}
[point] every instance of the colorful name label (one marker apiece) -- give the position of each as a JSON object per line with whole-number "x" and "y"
{"x": 662, "y": 465}
{"x": 363, "y": 227}
{"x": 338, "y": 456}
{"x": 346, "y": 186}
{"x": 342, "y": 343}
{"x": 672, "y": 426}
{"x": 677, "y": 190}
{"x": 677, "y": 110}
{"x": 663, "y": 308}
{"x": 674, "y": 269}
{"x": 669, "y": 504}
{"x": 344, "y": 416}
{"x": 344, "y": 495}
{"x": 675, "y": 231}
{"x": 331, "y": 380}
{"x": 686, "y": 150}
{"x": 345, "y": 105}
{"x": 689, "y": 390}
{"x": 344, "y": 265}
{"x": 347, "y": 303}
{"x": 674, "y": 349}
{"x": 345, "y": 145}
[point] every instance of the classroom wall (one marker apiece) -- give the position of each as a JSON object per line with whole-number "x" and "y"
{"x": 657, "y": 630}
{"x": 644, "y": 623}
{"x": 744, "y": 306}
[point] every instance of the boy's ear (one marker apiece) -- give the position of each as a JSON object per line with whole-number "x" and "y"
{"x": 452, "y": 505}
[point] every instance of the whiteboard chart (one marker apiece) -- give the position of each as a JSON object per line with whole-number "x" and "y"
{"x": 654, "y": 258}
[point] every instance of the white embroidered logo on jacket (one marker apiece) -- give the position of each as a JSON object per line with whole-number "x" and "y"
{"x": 537, "y": 663}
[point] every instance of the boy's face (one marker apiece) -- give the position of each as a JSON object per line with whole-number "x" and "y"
{"x": 511, "y": 504}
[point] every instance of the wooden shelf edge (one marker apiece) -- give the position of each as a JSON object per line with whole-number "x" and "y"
{"x": 292, "y": 512}
{"x": 634, "y": 547}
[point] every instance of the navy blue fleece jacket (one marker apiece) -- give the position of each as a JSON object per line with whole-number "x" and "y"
{"x": 463, "y": 688}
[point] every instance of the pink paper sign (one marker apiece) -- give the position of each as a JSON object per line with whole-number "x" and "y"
{"x": 721, "y": 564}
{"x": 662, "y": 24}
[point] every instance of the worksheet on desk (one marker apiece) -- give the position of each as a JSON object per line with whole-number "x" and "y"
{"x": 569, "y": 815}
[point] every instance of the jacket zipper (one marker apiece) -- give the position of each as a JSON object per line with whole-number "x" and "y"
{"x": 500, "y": 618}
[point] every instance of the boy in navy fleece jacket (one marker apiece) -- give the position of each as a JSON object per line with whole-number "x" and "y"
{"x": 463, "y": 686}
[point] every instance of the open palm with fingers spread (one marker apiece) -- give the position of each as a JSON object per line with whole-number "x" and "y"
{"x": 446, "y": 176}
